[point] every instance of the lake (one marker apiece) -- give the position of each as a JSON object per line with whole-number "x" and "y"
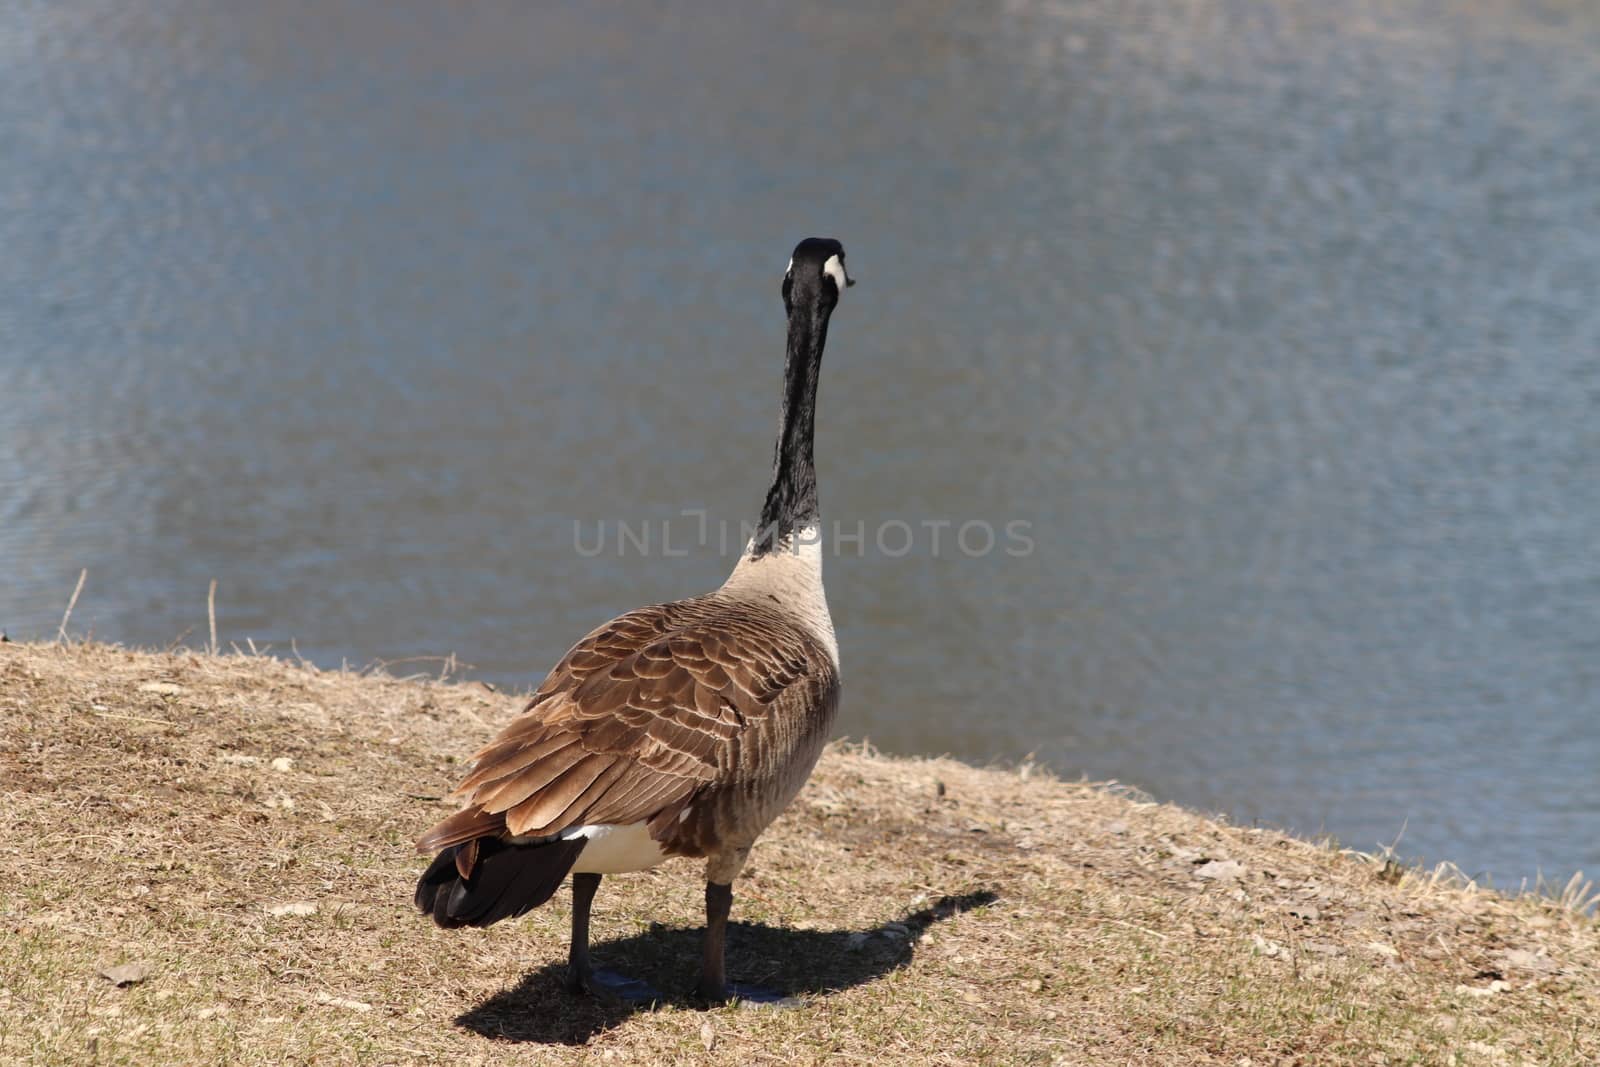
{"x": 1272, "y": 330}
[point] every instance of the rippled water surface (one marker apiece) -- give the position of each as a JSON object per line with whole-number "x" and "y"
{"x": 1278, "y": 323}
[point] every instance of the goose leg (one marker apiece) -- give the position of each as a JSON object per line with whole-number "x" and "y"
{"x": 580, "y": 972}
{"x": 713, "y": 956}
{"x": 714, "y": 987}
{"x": 581, "y": 975}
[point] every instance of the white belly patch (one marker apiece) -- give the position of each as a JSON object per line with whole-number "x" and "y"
{"x": 615, "y": 849}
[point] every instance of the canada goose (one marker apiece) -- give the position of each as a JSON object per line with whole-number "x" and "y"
{"x": 679, "y": 729}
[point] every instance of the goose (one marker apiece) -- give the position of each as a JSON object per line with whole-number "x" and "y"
{"x": 678, "y": 729}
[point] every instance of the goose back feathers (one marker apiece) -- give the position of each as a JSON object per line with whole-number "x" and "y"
{"x": 700, "y": 718}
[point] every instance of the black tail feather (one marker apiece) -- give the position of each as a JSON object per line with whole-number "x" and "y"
{"x": 507, "y": 881}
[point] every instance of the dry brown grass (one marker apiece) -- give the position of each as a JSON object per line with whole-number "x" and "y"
{"x": 925, "y": 911}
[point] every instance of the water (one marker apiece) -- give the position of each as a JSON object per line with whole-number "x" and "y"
{"x": 1276, "y": 322}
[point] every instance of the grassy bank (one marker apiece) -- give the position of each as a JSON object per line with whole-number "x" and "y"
{"x": 237, "y": 829}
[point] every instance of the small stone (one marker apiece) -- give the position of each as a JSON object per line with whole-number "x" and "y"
{"x": 343, "y": 1002}
{"x": 1220, "y": 870}
{"x": 295, "y": 909}
{"x": 166, "y": 689}
{"x": 1496, "y": 986}
{"x": 126, "y": 974}
{"x": 1523, "y": 959}
{"x": 1267, "y": 947}
{"x": 283, "y": 764}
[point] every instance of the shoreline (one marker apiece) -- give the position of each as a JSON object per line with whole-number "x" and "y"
{"x": 238, "y": 827}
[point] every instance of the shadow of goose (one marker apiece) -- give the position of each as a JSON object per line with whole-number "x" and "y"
{"x": 792, "y": 962}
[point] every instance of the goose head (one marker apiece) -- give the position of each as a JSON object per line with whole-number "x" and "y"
{"x": 816, "y": 275}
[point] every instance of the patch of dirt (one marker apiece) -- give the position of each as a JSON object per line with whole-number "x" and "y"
{"x": 236, "y": 831}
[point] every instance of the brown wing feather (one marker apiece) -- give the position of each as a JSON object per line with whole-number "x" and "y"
{"x": 637, "y": 718}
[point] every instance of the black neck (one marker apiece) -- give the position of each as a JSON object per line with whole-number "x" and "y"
{"x": 792, "y": 499}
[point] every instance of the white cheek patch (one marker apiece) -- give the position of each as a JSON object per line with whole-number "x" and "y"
{"x": 834, "y": 269}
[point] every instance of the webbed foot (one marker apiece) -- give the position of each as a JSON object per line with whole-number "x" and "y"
{"x": 614, "y": 988}
{"x": 746, "y": 995}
